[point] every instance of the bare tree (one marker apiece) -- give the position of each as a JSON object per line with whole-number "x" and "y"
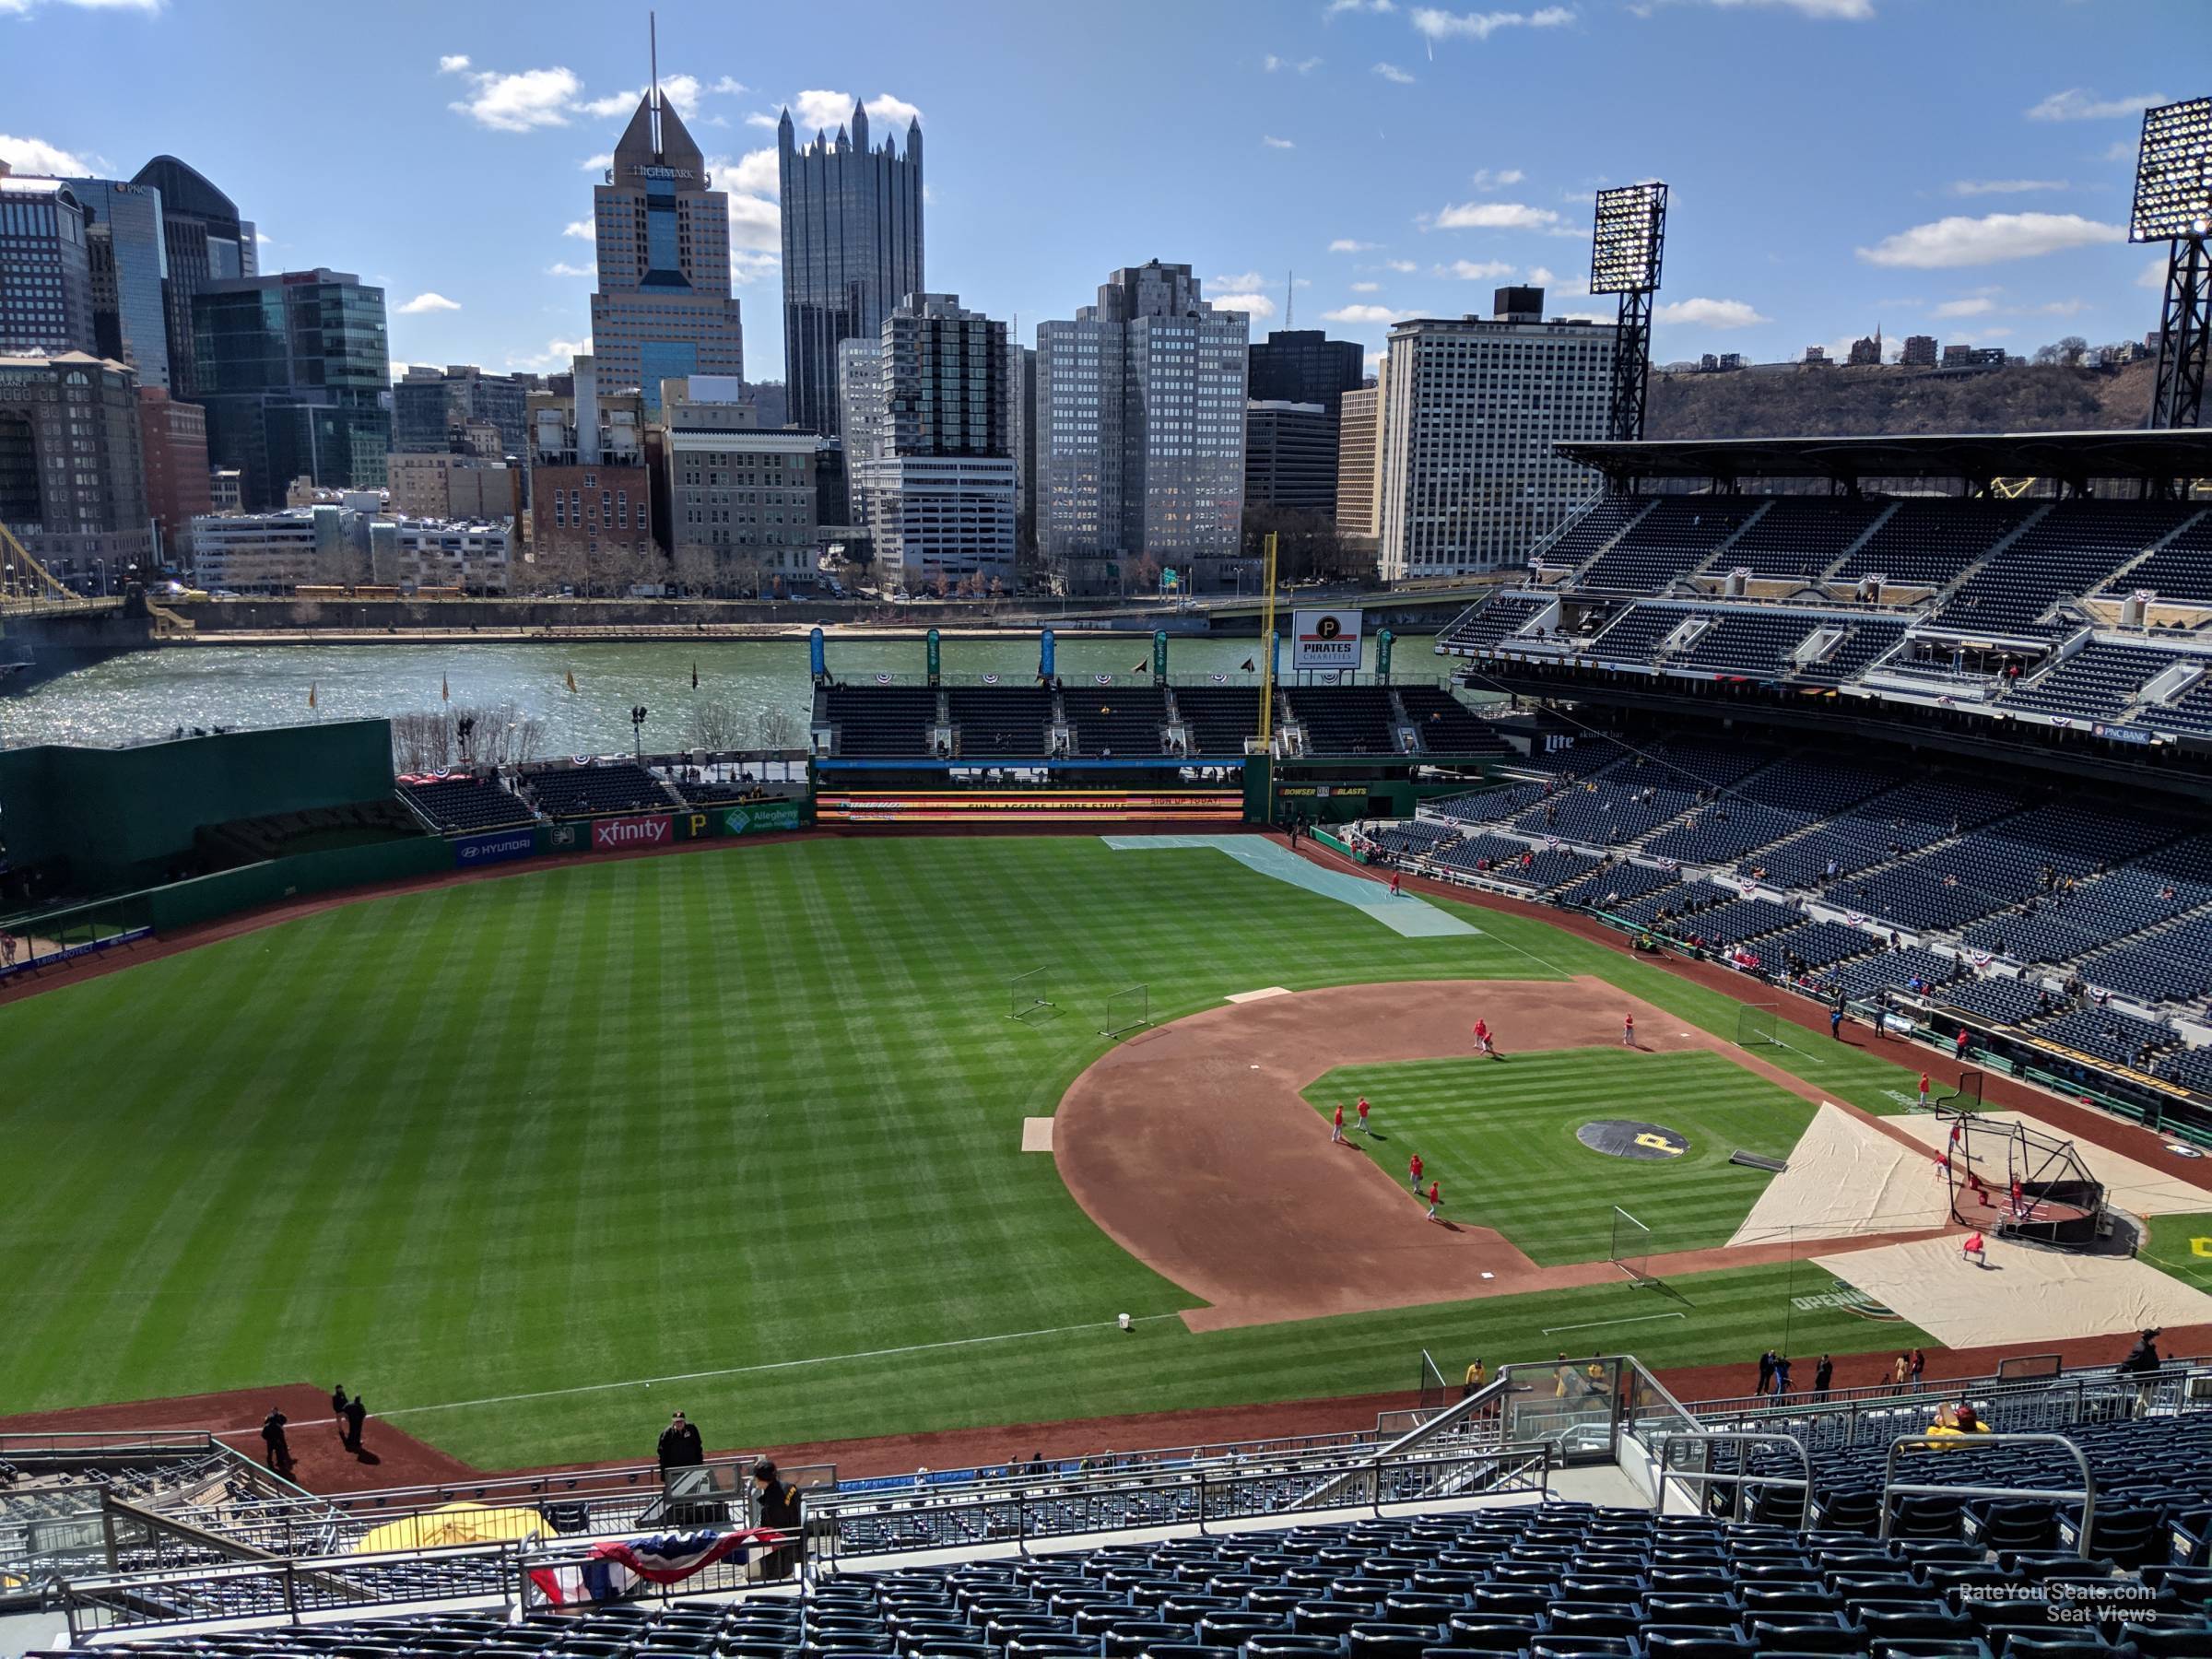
{"x": 779, "y": 727}
{"x": 716, "y": 725}
{"x": 500, "y": 734}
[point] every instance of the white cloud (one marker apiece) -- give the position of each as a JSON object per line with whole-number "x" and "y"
{"x": 1440, "y": 24}
{"x": 2123, "y": 149}
{"x": 1255, "y": 305}
{"x": 1848, "y": 11}
{"x": 555, "y": 355}
{"x": 1495, "y": 216}
{"x": 1344, "y": 245}
{"x": 581, "y": 229}
{"x": 2055, "y": 307}
{"x": 452, "y": 63}
{"x": 1391, "y": 72}
{"x": 1367, "y": 288}
{"x": 516, "y": 103}
{"x": 1375, "y": 360}
{"x": 1336, "y": 6}
{"x": 2154, "y": 275}
{"x": 730, "y": 86}
{"x": 1404, "y": 267}
{"x": 682, "y": 90}
{"x": 755, "y": 173}
{"x": 24, "y": 7}
{"x": 1540, "y": 275}
{"x": 817, "y": 110}
{"x": 748, "y": 264}
{"x": 884, "y": 107}
{"x": 2074, "y": 104}
{"x": 1468, "y": 270}
{"x": 756, "y": 225}
{"x": 760, "y": 118}
{"x": 1498, "y": 179}
{"x": 1960, "y": 240}
{"x": 1363, "y": 314}
{"x": 1975, "y": 187}
{"x": 427, "y": 302}
{"x": 1271, "y": 63}
{"x": 1272, "y": 142}
{"x": 599, "y": 163}
{"x": 1978, "y": 305}
{"x": 561, "y": 267}
{"x": 1243, "y": 283}
{"x": 1710, "y": 313}
{"x": 36, "y": 157}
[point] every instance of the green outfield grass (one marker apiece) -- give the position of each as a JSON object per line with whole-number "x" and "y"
{"x": 1500, "y": 1136}
{"x": 2173, "y": 1246}
{"x": 752, "y": 1113}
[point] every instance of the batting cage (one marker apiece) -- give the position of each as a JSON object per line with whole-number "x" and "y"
{"x": 2017, "y": 1182}
{"x": 1028, "y": 994}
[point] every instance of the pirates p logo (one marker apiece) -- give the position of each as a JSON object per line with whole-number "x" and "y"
{"x": 2200, "y": 1247}
{"x": 1661, "y": 1143}
{"x": 1328, "y": 628}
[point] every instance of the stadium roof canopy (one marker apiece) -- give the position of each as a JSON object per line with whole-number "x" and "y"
{"x": 2072, "y": 457}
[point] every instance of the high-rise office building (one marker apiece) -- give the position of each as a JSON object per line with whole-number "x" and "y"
{"x": 1469, "y": 476}
{"x": 1920, "y": 352}
{"x": 72, "y": 466}
{"x": 1303, "y": 365}
{"x": 297, "y": 380}
{"x": 45, "y": 268}
{"x": 741, "y": 499}
{"x": 128, "y": 243}
{"x": 590, "y": 491}
{"x": 852, "y": 251}
{"x": 664, "y": 309}
{"x": 173, "y": 437}
{"x": 1021, "y": 427}
{"x": 1140, "y": 447}
{"x": 1356, "y": 431}
{"x": 930, "y": 447}
{"x": 204, "y": 240}
{"x": 1290, "y": 457}
{"x": 433, "y": 409}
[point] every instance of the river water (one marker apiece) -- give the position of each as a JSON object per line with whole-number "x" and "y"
{"x": 148, "y": 694}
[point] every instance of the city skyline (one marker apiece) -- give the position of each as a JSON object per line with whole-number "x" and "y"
{"x": 1401, "y": 159}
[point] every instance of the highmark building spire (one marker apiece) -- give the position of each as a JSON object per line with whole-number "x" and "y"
{"x": 852, "y": 250}
{"x": 664, "y": 309}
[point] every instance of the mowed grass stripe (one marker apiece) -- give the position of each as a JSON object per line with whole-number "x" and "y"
{"x": 612, "y": 1121}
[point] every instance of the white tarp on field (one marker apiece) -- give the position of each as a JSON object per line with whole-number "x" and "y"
{"x": 1846, "y": 1179}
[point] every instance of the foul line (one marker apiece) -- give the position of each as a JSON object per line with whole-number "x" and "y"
{"x": 773, "y": 1365}
{"x": 1597, "y": 1323}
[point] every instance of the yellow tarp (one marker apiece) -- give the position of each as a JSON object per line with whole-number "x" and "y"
{"x": 454, "y": 1523}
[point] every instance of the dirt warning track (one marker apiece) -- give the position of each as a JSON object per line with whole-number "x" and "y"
{"x": 1190, "y": 1146}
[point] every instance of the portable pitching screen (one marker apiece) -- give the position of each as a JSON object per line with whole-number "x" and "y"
{"x": 1755, "y": 1025}
{"x": 1028, "y": 994}
{"x": 1433, "y": 1391}
{"x": 1126, "y": 1011}
{"x": 1966, "y": 1098}
{"x": 1631, "y": 1246}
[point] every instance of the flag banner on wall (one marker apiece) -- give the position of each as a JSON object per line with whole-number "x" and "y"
{"x": 616, "y": 1568}
{"x": 1102, "y": 679}
{"x": 989, "y": 679}
{"x": 883, "y": 679}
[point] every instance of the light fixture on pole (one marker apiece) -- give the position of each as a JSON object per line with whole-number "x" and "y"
{"x": 637, "y": 727}
{"x": 1626, "y": 244}
{"x": 2173, "y": 204}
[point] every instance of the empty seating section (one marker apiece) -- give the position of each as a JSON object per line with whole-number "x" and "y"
{"x": 2191, "y": 1068}
{"x": 1802, "y": 536}
{"x": 1480, "y": 852}
{"x": 881, "y": 722}
{"x": 2190, "y": 713}
{"x": 1345, "y": 719}
{"x": 2096, "y": 683}
{"x": 1926, "y": 542}
{"x": 1816, "y": 944}
{"x": 1749, "y": 641}
{"x": 1447, "y": 726}
{"x": 1912, "y": 816}
{"x": 1676, "y": 535}
{"x": 1671, "y": 904}
{"x": 2005, "y": 1001}
{"x": 1744, "y": 919}
{"x": 1606, "y": 518}
{"x": 2057, "y": 927}
{"x": 1501, "y": 615}
{"x": 1617, "y": 884}
{"x": 1548, "y": 869}
{"x": 1986, "y": 870}
{"x": 1636, "y": 634}
{"x": 2169, "y": 965}
{"x": 1488, "y": 805}
{"x": 1585, "y": 757}
{"x": 2108, "y": 1033}
{"x": 1722, "y": 830}
{"x": 2069, "y": 550}
{"x": 1863, "y": 646}
{"x": 1219, "y": 718}
{"x": 1115, "y": 719}
{"x": 582, "y": 791}
{"x": 1418, "y": 837}
{"x": 1898, "y": 970}
{"x": 1002, "y": 721}
{"x": 1603, "y": 813}
{"x": 2180, "y": 571}
{"x": 467, "y": 804}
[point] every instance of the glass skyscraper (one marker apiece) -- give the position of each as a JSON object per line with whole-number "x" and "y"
{"x": 852, "y": 253}
{"x": 205, "y": 241}
{"x": 45, "y": 269}
{"x": 663, "y": 309}
{"x": 130, "y": 253}
{"x": 296, "y": 377}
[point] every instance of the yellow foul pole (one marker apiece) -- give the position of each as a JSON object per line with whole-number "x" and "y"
{"x": 1268, "y": 679}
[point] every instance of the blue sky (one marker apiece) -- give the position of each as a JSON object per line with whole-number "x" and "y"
{"x": 1954, "y": 167}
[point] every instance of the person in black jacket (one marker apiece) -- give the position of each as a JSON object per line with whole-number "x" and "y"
{"x": 1822, "y": 1374}
{"x": 679, "y": 1446}
{"x": 779, "y": 1512}
{"x": 277, "y": 1454}
{"x": 2142, "y": 1361}
{"x": 356, "y": 1414}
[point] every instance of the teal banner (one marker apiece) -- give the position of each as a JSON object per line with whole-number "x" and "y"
{"x": 1382, "y": 643}
{"x": 933, "y": 657}
{"x": 757, "y": 816}
{"x": 1159, "y": 655}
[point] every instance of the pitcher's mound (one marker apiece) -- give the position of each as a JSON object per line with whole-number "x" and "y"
{"x": 1625, "y": 1137}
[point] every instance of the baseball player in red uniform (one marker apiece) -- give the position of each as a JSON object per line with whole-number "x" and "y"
{"x": 1436, "y": 1196}
{"x": 1628, "y": 1029}
{"x": 1336, "y": 1126}
{"x": 1363, "y": 1114}
{"x": 1413, "y": 1168}
{"x": 1924, "y": 1096}
{"x": 1394, "y": 884}
{"x": 1974, "y": 1250}
{"x": 2020, "y": 1200}
{"x": 1482, "y": 1035}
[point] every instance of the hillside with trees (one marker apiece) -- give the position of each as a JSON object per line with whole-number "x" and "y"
{"x": 1837, "y": 402}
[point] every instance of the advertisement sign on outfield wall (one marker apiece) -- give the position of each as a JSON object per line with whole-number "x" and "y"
{"x": 757, "y": 816}
{"x": 608, "y": 834}
{"x": 1324, "y": 639}
{"x": 496, "y": 847}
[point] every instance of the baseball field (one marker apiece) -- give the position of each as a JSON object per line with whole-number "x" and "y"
{"x": 527, "y": 1161}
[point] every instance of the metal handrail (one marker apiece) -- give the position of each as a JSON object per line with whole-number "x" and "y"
{"x": 1933, "y": 1490}
{"x": 1744, "y": 1477}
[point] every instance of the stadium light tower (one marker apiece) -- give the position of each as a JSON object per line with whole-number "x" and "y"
{"x": 2173, "y": 204}
{"x": 1630, "y": 235}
